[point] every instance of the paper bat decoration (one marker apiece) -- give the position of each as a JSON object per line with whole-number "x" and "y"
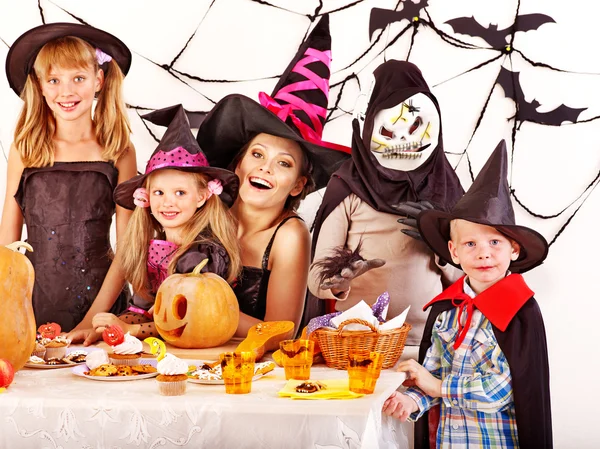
{"x": 491, "y": 34}
{"x": 509, "y": 81}
{"x": 380, "y": 18}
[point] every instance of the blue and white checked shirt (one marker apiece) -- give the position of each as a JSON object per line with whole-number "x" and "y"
{"x": 477, "y": 407}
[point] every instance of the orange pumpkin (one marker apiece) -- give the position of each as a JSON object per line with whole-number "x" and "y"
{"x": 17, "y": 322}
{"x": 196, "y": 310}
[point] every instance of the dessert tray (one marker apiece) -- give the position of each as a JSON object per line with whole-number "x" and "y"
{"x": 83, "y": 371}
{"x": 68, "y": 361}
{"x": 209, "y": 373}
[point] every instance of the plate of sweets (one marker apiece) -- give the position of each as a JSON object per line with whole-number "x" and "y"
{"x": 72, "y": 358}
{"x": 98, "y": 367}
{"x": 209, "y": 373}
{"x": 52, "y": 350}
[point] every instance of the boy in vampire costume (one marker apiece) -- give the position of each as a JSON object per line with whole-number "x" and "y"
{"x": 483, "y": 358}
{"x": 358, "y": 249}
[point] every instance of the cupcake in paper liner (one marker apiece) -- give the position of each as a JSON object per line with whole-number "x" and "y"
{"x": 172, "y": 377}
{"x": 56, "y": 348}
{"x": 127, "y": 353}
{"x": 39, "y": 350}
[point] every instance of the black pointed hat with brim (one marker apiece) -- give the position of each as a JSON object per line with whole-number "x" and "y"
{"x": 296, "y": 110}
{"x": 487, "y": 202}
{"x": 179, "y": 150}
{"x": 24, "y": 51}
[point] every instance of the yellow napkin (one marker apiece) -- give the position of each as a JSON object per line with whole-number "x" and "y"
{"x": 336, "y": 389}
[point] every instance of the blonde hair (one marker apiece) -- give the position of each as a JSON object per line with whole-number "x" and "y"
{"x": 36, "y": 125}
{"x": 213, "y": 222}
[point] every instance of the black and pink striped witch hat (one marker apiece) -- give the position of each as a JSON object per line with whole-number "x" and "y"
{"x": 296, "y": 110}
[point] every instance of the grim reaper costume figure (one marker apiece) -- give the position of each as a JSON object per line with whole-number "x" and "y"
{"x": 397, "y": 158}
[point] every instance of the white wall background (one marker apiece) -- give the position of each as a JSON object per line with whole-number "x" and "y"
{"x": 251, "y": 43}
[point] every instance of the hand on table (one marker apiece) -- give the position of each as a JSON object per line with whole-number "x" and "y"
{"x": 427, "y": 382}
{"x": 87, "y": 336}
{"x": 399, "y": 406}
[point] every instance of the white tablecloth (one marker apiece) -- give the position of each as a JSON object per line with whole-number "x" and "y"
{"x": 56, "y": 409}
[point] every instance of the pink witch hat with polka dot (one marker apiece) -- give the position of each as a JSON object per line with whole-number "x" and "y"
{"x": 179, "y": 150}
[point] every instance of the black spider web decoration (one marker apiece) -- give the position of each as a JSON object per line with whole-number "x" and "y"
{"x": 506, "y": 52}
{"x": 418, "y": 20}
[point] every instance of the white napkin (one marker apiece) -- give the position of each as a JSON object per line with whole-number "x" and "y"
{"x": 396, "y": 322}
{"x": 361, "y": 310}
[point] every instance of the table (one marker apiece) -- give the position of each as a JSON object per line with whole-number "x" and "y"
{"x": 46, "y": 408}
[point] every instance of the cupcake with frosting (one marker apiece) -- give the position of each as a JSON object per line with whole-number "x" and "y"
{"x": 56, "y": 348}
{"x": 127, "y": 353}
{"x": 172, "y": 376}
{"x": 39, "y": 350}
{"x": 96, "y": 358}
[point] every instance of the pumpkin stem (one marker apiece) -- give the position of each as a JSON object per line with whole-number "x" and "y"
{"x": 199, "y": 267}
{"x": 15, "y": 246}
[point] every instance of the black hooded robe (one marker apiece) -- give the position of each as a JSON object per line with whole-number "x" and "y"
{"x": 378, "y": 186}
{"x": 524, "y": 345}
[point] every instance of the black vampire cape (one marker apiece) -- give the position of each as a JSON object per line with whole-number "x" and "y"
{"x": 378, "y": 186}
{"x": 523, "y": 342}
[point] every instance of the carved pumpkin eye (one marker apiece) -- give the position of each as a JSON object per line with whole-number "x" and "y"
{"x": 418, "y": 122}
{"x": 179, "y": 307}
{"x": 385, "y": 133}
{"x": 157, "y": 303}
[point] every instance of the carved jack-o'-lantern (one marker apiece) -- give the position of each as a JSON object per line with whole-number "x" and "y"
{"x": 17, "y": 322}
{"x": 196, "y": 310}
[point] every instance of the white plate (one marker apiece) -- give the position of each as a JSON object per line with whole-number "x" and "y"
{"x": 217, "y": 381}
{"x": 80, "y": 370}
{"x": 64, "y": 365}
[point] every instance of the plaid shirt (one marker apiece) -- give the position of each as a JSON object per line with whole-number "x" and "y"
{"x": 477, "y": 407}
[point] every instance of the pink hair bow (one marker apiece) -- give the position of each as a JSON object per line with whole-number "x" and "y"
{"x": 140, "y": 197}
{"x": 215, "y": 187}
{"x": 102, "y": 57}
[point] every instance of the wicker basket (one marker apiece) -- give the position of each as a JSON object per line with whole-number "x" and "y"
{"x": 335, "y": 344}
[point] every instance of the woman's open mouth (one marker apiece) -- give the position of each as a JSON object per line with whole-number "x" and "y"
{"x": 259, "y": 183}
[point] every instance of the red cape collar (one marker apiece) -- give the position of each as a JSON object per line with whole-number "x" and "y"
{"x": 499, "y": 303}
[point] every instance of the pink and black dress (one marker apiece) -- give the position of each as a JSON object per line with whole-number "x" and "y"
{"x": 160, "y": 253}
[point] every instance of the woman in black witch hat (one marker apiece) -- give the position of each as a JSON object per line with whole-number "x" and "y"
{"x": 275, "y": 148}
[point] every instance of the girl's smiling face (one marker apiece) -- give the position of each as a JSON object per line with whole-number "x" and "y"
{"x": 69, "y": 92}
{"x": 174, "y": 198}
{"x": 270, "y": 171}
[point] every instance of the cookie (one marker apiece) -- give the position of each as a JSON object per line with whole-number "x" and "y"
{"x": 143, "y": 369}
{"x": 103, "y": 370}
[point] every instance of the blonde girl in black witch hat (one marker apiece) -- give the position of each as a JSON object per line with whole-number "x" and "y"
{"x": 181, "y": 217}
{"x": 65, "y": 163}
{"x": 275, "y": 147}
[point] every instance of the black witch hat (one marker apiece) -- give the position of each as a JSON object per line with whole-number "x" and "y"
{"x": 487, "y": 202}
{"x": 178, "y": 149}
{"x": 296, "y": 110}
{"x": 24, "y": 51}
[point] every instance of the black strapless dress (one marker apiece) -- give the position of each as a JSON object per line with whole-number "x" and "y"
{"x": 68, "y": 210}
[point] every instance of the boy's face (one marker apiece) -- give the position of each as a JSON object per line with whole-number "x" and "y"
{"x": 483, "y": 253}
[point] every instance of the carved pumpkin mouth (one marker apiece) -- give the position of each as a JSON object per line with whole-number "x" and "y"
{"x": 171, "y": 335}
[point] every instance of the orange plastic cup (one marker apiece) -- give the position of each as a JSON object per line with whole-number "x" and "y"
{"x": 238, "y": 371}
{"x": 364, "y": 368}
{"x": 297, "y": 358}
